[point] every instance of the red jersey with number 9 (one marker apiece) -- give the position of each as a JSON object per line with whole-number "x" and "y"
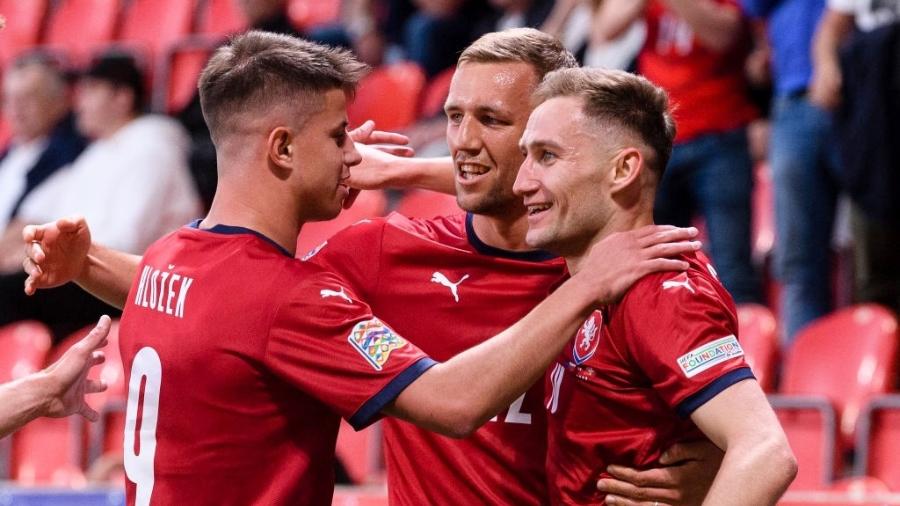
{"x": 241, "y": 361}
{"x": 446, "y": 291}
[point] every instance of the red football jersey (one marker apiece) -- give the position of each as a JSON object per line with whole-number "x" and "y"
{"x": 623, "y": 391}
{"x": 241, "y": 361}
{"x": 707, "y": 87}
{"x": 439, "y": 286}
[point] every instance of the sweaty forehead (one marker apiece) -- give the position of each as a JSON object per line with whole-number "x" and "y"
{"x": 492, "y": 85}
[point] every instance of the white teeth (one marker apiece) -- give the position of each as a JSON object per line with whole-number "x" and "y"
{"x": 536, "y": 208}
{"x": 472, "y": 170}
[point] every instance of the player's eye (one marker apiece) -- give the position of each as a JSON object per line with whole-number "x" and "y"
{"x": 454, "y": 117}
{"x": 340, "y": 138}
{"x": 547, "y": 156}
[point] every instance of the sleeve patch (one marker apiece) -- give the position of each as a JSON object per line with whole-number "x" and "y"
{"x": 709, "y": 355}
{"x": 375, "y": 341}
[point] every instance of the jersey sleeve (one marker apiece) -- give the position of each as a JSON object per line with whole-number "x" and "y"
{"x": 683, "y": 336}
{"x": 327, "y": 342}
{"x": 354, "y": 254}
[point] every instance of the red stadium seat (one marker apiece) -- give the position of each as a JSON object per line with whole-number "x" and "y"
{"x": 389, "y": 96}
{"x": 878, "y": 441}
{"x": 308, "y": 13}
{"x": 177, "y": 80}
{"x": 811, "y": 428}
{"x": 435, "y": 94}
{"x": 23, "y": 26}
{"x": 856, "y": 491}
{"x": 48, "y": 451}
{"x": 759, "y": 338}
{"x": 23, "y": 349}
{"x": 80, "y": 27}
{"x": 427, "y": 204}
{"x": 220, "y": 18}
{"x": 360, "y": 452}
{"x": 848, "y": 357}
{"x": 369, "y": 204}
{"x": 154, "y": 25}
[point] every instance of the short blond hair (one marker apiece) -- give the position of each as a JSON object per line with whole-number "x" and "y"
{"x": 542, "y": 51}
{"x": 618, "y": 98}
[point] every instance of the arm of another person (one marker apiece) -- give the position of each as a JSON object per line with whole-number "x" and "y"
{"x": 61, "y": 251}
{"x": 716, "y": 25}
{"x": 459, "y": 395}
{"x": 613, "y": 17}
{"x": 380, "y": 169}
{"x": 758, "y": 464}
{"x": 826, "y": 82}
{"x": 58, "y": 390}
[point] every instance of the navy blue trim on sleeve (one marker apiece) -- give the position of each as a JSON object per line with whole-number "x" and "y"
{"x": 689, "y": 405}
{"x": 486, "y": 249}
{"x": 368, "y": 412}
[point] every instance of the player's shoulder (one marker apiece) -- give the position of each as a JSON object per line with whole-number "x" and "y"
{"x": 699, "y": 284}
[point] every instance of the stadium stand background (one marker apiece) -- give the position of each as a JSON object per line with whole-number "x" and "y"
{"x": 834, "y": 387}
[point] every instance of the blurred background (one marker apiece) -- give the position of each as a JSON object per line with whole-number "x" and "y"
{"x": 787, "y": 158}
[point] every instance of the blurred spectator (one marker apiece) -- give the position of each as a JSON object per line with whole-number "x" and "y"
{"x": 132, "y": 183}
{"x": 803, "y": 159}
{"x": 37, "y": 108}
{"x": 695, "y": 49}
{"x": 571, "y": 21}
{"x": 516, "y": 14}
{"x": 868, "y": 121}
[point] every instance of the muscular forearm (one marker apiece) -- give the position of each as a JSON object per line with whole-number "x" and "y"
{"x": 715, "y": 25}
{"x": 108, "y": 274}
{"x": 614, "y": 17}
{"x": 21, "y": 401}
{"x": 434, "y": 174}
{"x": 767, "y": 464}
{"x": 458, "y": 396}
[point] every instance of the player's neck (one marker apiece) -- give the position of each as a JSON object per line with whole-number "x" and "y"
{"x": 240, "y": 208}
{"x": 619, "y": 222}
{"x": 504, "y": 232}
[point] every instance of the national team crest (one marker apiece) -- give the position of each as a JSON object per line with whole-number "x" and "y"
{"x": 375, "y": 341}
{"x": 587, "y": 339}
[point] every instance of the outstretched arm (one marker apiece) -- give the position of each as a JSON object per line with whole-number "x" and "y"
{"x": 458, "y": 396}
{"x": 58, "y": 390}
{"x": 716, "y": 25}
{"x": 380, "y": 169}
{"x": 61, "y": 251}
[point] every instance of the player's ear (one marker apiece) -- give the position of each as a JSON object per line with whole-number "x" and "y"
{"x": 627, "y": 168}
{"x": 280, "y": 149}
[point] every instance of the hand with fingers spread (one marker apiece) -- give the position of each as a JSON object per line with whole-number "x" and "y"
{"x": 684, "y": 477}
{"x": 380, "y": 150}
{"x": 58, "y": 390}
{"x": 620, "y": 259}
{"x": 55, "y": 252}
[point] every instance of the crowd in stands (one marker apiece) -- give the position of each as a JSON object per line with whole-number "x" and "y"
{"x": 795, "y": 98}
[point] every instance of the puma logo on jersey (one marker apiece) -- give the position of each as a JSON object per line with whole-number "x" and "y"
{"x": 681, "y": 281}
{"x": 331, "y": 293}
{"x": 442, "y": 280}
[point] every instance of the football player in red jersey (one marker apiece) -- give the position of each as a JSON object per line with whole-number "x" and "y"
{"x": 241, "y": 359}
{"x": 479, "y": 278}
{"x": 664, "y": 364}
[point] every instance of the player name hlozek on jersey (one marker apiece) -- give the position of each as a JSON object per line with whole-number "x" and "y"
{"x": 159, "y": 288}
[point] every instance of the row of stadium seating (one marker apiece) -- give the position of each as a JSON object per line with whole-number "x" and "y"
{"x": 174, "y": 38}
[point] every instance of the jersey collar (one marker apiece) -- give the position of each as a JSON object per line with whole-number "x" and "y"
{"x": 233, "y": 230}
{"x": 486, "y": 249}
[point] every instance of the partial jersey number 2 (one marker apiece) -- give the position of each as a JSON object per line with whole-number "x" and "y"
{"x": 140, "y": 419}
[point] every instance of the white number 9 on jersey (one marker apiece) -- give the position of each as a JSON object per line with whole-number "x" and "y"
{"x": 146, "y": 372}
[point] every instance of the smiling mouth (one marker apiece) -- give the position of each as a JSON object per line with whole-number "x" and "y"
{"x": 470, "y": 172}
{"x": 536, "y": 209}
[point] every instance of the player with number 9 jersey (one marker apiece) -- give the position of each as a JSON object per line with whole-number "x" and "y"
{"x": 460, "y": 292}
{"x": 240, "y": 362}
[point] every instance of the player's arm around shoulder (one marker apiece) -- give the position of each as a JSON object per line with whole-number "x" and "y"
{"x": 758, "y": 464}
